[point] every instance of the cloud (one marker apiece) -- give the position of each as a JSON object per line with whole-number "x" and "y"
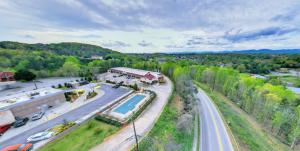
{"x": 29, "y": 36}
{"x": 187, "y": 24}
{"x": 288, "y": 16}
{"x": 91, "y": 36}
{"x": 216, "y": 41}
{"x": 115, "y": 44}
{"x": 145, "y": 44}
{"x": 257, "y": 34}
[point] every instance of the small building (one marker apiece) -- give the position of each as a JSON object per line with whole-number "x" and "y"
{"x": 6, "y": 76}
{"x": 259, "y": 76}
{"x": 76, "y": 84}
{"x": 144, "y": 76}
{"x": 96, "y": 57}
{"x": 24, "y": 104}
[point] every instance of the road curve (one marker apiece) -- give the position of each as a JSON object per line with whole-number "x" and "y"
{"x": 214, "y": 136}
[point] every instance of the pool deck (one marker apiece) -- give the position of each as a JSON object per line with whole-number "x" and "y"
{"x": 124, "y": 140}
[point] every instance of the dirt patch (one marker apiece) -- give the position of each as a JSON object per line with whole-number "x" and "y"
{"x": 177, "y": 102}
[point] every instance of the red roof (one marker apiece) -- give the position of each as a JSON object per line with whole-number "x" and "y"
{"x": 6, "y": 74}
{"x": 149, "y": 76}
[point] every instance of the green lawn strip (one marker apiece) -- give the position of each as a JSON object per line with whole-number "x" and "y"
{"x": 82, "y": 138}
{"x": 246, "y": 135}
{"x": 164, "y": 129}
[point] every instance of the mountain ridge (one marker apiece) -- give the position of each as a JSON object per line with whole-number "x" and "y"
{"x": 63, "y": 48}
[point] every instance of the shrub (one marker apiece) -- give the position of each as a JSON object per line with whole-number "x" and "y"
{"x": 108, "y": 121}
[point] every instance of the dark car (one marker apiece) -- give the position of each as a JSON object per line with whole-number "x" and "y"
{"x": 116, "y": 86}
{"x": 20, "y": 122}
{"x": 4, "y": 128}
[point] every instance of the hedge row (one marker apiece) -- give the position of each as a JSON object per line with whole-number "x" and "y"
{"x": 108, "y": 120}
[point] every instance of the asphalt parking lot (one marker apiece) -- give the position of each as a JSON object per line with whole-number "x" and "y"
{"x": 41, "y": 83}
{"x": 110, "y": 94}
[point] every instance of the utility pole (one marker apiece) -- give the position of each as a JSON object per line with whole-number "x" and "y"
{"x": 35, "y": 85}
{"x": 136, "y": 139}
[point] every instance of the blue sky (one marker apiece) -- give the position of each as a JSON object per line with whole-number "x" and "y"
{"x": 155, "y": 25}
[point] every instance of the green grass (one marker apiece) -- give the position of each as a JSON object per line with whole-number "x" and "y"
{"x": 248, "y": 137}
{"x": 165, "y": 130}
{"x": 292, "y": 79}
{"x": 82, "y": 138}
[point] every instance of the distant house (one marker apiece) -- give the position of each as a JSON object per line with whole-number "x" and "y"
{"x": 96, "y": 57}
{"x": 6, "y": 76}
{"x": 144, "y": 76}
{"x": 259, "y": 76}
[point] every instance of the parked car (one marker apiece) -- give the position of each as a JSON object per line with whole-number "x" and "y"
{"x": 18, "y": 147}
{"x": 20, "y": 122}
{"x": 116, "y": 86}
{"x": 37, "y": 115}
{"x": 4, "y": 128}
{"x": 40, "y": 136}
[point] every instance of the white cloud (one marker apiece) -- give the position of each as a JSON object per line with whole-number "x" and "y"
{"x": 153, "y": 26}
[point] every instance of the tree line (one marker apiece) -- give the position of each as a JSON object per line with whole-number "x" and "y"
{"x": 48, "y": 64}
{"x": 247, "y": 63}
{"x": 274, "y": 106}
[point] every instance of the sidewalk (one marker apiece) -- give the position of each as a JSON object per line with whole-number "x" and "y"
{"x": 124, "y": 139}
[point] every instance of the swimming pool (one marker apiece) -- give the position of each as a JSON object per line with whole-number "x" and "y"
{"x": 129, "y": 104}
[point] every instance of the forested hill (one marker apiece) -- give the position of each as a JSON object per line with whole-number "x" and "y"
{"x": 64, "y": 48}
{"x": 265, "y": 51}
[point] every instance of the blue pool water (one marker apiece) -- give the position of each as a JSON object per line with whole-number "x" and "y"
{"x": 130, "y": 104}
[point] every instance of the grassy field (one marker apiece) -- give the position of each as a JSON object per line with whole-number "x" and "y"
{"x": 292, "y": 79}
{"x": 165, "y": 134}
{"x": 82, "y": 138}
{"x": 248, "y": 133}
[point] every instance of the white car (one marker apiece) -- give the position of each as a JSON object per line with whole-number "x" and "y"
{"x": 40, "y": 136}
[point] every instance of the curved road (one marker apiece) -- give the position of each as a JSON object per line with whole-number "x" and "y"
{"x": 110, "y": 95}
{"x": 214, "y": 136}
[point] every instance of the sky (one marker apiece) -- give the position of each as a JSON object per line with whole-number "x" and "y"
{"x": 146, "y": 26}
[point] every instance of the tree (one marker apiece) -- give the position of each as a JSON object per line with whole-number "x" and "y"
{"x": 24, "y": 75}
{"x": 70, "y": 69}
{"x": 135, "y": 87}
{"x": 22, "y": 65}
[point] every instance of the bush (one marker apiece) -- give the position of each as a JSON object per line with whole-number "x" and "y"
{"x": 108, "y": 121}
{"x": 91, "y": 95}
{"x": 108, "y": 81}
{"x": 184, "y": 123}
{"x": 24, "y": 75}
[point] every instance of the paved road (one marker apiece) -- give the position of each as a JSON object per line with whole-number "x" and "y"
{"x": 110, "y": 95}
{"x": 214, "y": 136}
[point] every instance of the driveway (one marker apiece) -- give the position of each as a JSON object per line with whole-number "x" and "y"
{"x": 110, "y": 94}
{"x": 214, "y": 136}
{"x": 124, "y": 139}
